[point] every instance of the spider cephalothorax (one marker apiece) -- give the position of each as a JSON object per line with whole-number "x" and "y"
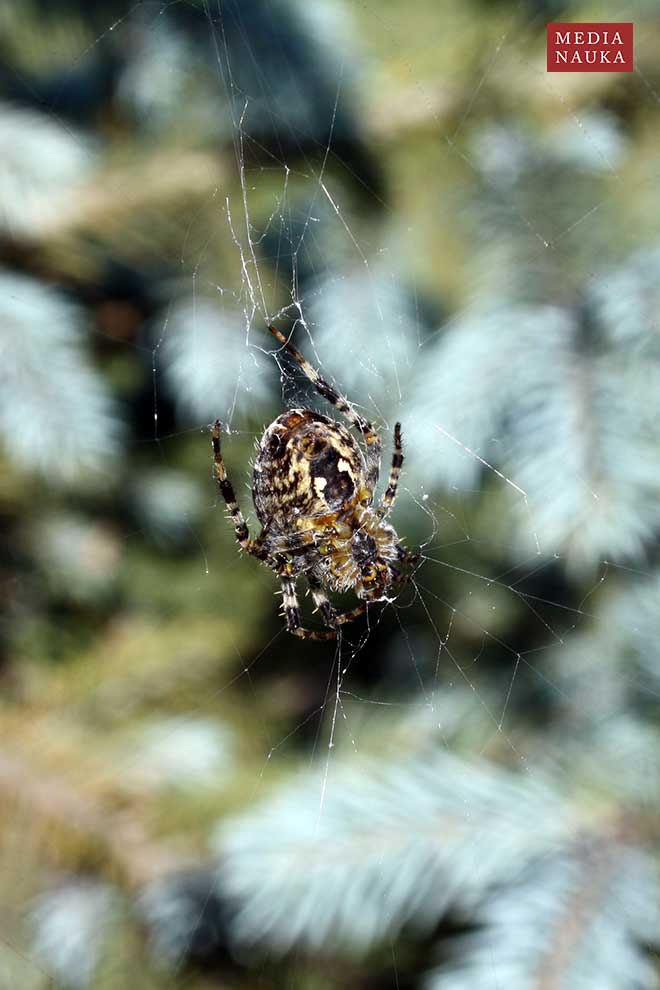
{"x": 313, "y": 491}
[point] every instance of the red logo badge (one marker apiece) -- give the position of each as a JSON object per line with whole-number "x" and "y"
{"x": 590, "y": 47}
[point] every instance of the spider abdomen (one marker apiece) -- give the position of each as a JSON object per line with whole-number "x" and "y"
{"x": 307, "y": 468}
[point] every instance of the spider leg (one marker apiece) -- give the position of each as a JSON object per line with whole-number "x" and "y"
{"x": 292, "y": 613}
{"x": 371, "y": 438}
{"x": 388, "y": 499}
{"x": 331, "y": 616}
{"x": 409, "y": 559}
{"x": 225, "y": 487}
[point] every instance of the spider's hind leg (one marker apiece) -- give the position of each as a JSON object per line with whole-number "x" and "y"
{"x": 324, "y": 388}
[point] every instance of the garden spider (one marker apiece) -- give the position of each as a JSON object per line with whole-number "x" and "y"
{"x": 313, "y": 491}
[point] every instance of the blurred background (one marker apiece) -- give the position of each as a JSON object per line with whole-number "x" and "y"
{"x": 464, "y": 793}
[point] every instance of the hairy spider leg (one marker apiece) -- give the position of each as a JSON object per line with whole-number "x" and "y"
{"x": 330, "y": 615}
{"x": 335, "y": 619}
{"x": 409, "y": 558}
{"x": 292, "y": 612}
{"x": 371, "y": 438}
{"x": 388, "y": 499}
{"x": 254, "y": 547}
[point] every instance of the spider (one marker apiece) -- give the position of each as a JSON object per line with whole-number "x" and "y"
{"x": 313, "y": 491}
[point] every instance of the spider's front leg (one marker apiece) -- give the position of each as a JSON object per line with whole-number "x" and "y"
{"x": 292, "y": 611}
{"x": 409, "y": 561}
{"x": 254, "y": 547}
{"x": 331, "y": 616}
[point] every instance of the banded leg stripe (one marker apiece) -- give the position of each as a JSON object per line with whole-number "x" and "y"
{"x": 389, "y": 497}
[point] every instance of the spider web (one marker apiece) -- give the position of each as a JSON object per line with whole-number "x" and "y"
{"x": 440, "y": 525}
{"x": 438, "y": 634}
